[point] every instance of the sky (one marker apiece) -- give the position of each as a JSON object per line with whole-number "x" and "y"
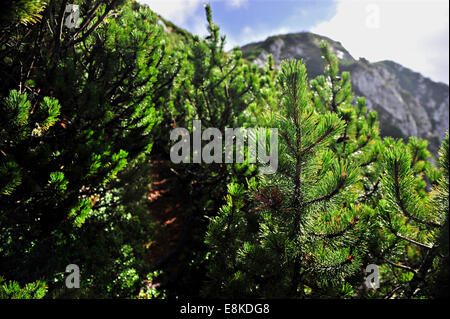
{"x": 414, "y": 33}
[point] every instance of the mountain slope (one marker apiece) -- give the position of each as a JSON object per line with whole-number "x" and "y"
{"x": 408, "y": 103}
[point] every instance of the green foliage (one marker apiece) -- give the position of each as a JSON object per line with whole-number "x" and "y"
{"x": 306, "y": 226}
{"x": 341, "y": 199}
{"x": 150, "y": 290}
{"x": 74, "y": 146}
{"x": 84, "y": 109}
{"x": 23, "y": 11}
{"x": 12, "y": 290}
{"x": 222, "y": 91}
{"x": 215, "y": 87}
{"x": 411, "y": 224}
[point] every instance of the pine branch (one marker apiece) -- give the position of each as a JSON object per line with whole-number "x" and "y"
{"x": 86, "y": 34}
{"x": 86, "y": 21}
{"x": 335, "y": 191}
{"x": 288, "y": 143}
{"x": 412, "y": 241}
{"x": 319, "y": 140}
{"x": 392, "y": 292}
{"x": 407, "y": 268}
{"x": 401, "y": 204}
{"x": 399, "y": 236}
{"x": 419, "y": 276}
{"x": 339, "y": 233}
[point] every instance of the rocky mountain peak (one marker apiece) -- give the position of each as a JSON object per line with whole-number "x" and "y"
{"x": 408, "y": 103}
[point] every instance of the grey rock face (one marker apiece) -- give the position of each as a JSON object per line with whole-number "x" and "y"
{"x": 408, "y": 104}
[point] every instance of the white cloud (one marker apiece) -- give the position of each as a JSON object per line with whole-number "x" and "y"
{"x": 236, "y": 3}
{"x": 180, "y": 11}
{"x": 247, "y": 30}
{"x": 253, "y": 34}
{"x": 198, "y": 26}
{"x": 249, "y": 35}
{"x": 412, "y": 33}
{"x": 177, "y": 11}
